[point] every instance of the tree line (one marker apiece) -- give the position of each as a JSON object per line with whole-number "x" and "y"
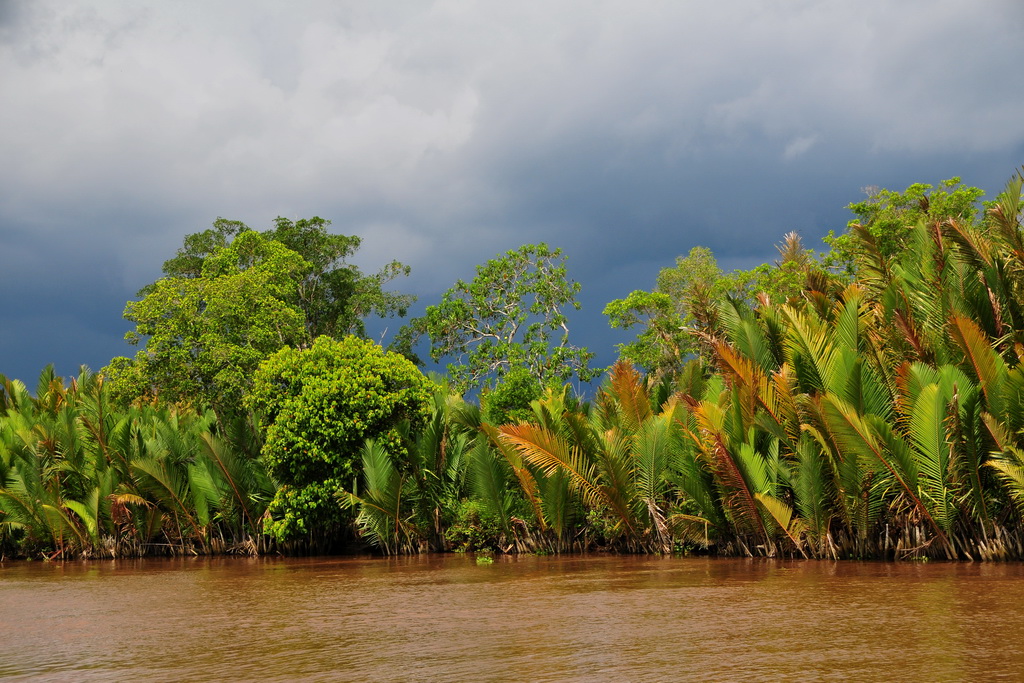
{"x": 865, "y": 402}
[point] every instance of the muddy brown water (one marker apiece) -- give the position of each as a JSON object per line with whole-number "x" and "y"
{"x": 434, "y": 618}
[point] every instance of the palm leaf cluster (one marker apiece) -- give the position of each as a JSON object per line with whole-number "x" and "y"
{"x": 875, "y": 418}
{"x": 80, "y": 477}
{"x": 406, "y": 500}
{"x": 878, "y": 419}
{"x": 571, "y": 477}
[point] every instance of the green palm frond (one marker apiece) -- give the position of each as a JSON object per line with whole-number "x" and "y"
{"x": 166, "y": 485}
{"x": 1009, "y": 465}
{"x": 873, "y": 441}
{"x": 489, "y": 481}
{"x": 748, "y": 337}
{"x": 515, "y": 461}
{"x": 731, "y": 466}
{"x": 551, "y": 453}
{"x": 783, "y": 519}
{"x": 616, "y": 481}
{"x": 813, "y": 489}
{"x": 382, "y": 519}
{"x": 810, "y": 352}
{"x": 982, "y": 360}
{"x": 240, "y": 483}
{"x": 556, "y": 497}
{"x": 88, "y": 513}
{"x": 653, "y": 450}
{"x": 928, "y": 434}
{"x": 627, "y": 389}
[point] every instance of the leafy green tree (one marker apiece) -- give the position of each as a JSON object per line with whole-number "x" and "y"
{"x": 506, "y": 318}
{"x": 664, "y": 339}
{"x": 204, "y": 336}
{"x": 686, "y": 299}
{"x": 232, "y": 296}
{"x": 188, "y": 262}
{"x": 320, "y": 404}
{"x": 334, "y": 295}
{"x": 682, "y": 302}
{"x": 890, "y": 217}
{"x": 510, "y": 399}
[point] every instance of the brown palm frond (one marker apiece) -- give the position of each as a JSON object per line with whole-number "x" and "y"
{"x": 627, "y": 388}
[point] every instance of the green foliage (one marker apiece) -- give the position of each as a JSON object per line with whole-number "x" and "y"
{"x": 684, "y": 304}
{"x": 890, "y": 216}
{"x": 664, "y": 340}
{"x": 320, "y": 404}
{"x": 473, "y": 528}
{"x": 489, "y": 478}
{"x": 188, "y": 262}
{"x": 383, "y": 519}
{"x": 790, "y": 414}
{"x": 438, "y": 463}
{"x": 204, "y": 336}
{"x": 614, "y": 463}
{"x": 510, "y": 399}
{"x": 311, "y": 512}
{"x": 506, "y": 318}
{"x": 233, "y": 296}
{"x": 334, "y": 295}
{"x": 80, "y": 476}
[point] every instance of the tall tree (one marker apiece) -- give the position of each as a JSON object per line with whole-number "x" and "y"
{"x": 204, "y": 336}
{"x": 334, "y": 295}
{"x": 232, "y": 296}
{"x": 508, "y": 317}
{"x": 683, "y": 307}
{"x": 667, "y": 315}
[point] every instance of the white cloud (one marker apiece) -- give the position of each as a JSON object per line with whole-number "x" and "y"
{"x": 799, "y": 146}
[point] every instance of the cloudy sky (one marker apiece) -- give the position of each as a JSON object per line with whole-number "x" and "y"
{"x": 445, "y": 132}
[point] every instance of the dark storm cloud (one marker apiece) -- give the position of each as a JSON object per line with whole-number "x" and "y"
{"x": 10, "y": 11}
{"x": 444, "y": 133}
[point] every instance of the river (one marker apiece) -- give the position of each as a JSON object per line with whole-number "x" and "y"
{"x": 446, "y": 617}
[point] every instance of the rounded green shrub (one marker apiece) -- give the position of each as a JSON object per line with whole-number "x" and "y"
{"x": 320, "y": 404}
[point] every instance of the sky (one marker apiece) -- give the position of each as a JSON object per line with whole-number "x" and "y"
{"x": 443, "y": 133}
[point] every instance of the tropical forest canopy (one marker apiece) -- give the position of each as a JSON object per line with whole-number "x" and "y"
{"x": 864, "y": 401}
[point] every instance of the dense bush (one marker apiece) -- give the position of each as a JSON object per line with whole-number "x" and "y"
{"x": 319, "y": 405}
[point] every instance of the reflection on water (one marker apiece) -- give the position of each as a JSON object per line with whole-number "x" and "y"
{"x": 520, "y": 618}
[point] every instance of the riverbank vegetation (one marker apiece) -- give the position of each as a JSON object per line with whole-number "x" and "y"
{"x": 867, "y": 402}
